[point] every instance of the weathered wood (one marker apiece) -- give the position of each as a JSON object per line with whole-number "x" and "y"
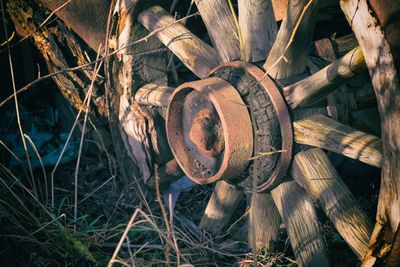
{"x": 264, "y": 221}
{"x": 220, "y": 208}
{"x": 72, "y": 85}
{"x": 258, "y": 28}
{"x": 317, "y": 86}
{"x": 198, "y": 56}
{"x": 314, "y": 172}
{"x": 221, "y": 28}
{"x": 154, "y": 95}
{"x": 385, "y": 80}
{"x": 143, "y": 143}
{"x": 323, "y": 132}
{"x": 166, "y": 174}
{"x": 289, "y": 57}
{"x": 298, "y": 213}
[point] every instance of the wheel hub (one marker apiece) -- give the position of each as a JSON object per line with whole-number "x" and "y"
{"x": 212, "y": 137}
{"x": 203, "y": 119}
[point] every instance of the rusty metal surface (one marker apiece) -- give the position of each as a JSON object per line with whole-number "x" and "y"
{"x": 227, "y": 153}
{"x": 284, "y": 121}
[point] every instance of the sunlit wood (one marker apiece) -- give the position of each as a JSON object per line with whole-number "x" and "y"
{"x": 313, "y": 170}
{"x": 299, "y": 215}
{"x": 317, "y": 86}
{"x": 220, "y": 208}
{"x": 221, "y": 27}
{"x": 289, "y": 56}
{"x": 154, "y": 95}
{"x": 323, "y": 132}
{"x": 381, "y": 66}
{"x": 198, "y": 56}
{"x": 258, "y": 27}
{"x": 264, "y": 221}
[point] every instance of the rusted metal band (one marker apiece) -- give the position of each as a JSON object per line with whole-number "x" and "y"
{"x": 236, "y": 125}
{"x": 285, "y": 122}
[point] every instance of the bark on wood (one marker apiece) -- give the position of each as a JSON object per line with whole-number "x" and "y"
{"x": 299, "y": 215}
{"x": 314, "y": 172}
{"x": 198, "y": 56}
{"x": 385, "y": 80}
{"x": 154, "y": 95}
{"x": 221, "y": 27}
{"x": 323, "y": 132}
{"x": 258, "y": 28}
{"x": 317, "y": 86}
{"x": 48, "y": 40}
{"x": 264, "y": 221}
{"x": 295, "y": 56}
{"x": 220, "y": 208}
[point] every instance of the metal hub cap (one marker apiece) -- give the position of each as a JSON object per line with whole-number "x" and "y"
{"x": 209, "y": 130}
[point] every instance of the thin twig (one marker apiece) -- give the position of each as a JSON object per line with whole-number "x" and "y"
{"x": 97, "y": 69}
{"x": 21, "y": 131}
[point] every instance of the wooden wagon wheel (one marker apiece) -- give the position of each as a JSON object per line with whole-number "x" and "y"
{"x": 210, "y": 146}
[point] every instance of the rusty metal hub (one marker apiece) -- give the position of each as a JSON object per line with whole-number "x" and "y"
{"x": 209, "y": 130}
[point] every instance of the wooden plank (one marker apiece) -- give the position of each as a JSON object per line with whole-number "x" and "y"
{"x": 314, "y": 172}
{"x": 258, "y": 28}
{"x": 289, "y": 57}
{"x": 323, "y": 132}
{"x": 264, "y": 222}
{"x": 198, "y": 56}
{"x": 220, "y": 208}
{"x": 154, "y": 95}
{"x": 385, "y": 80}
{"x": 317, "y": 86}
{"x": 221, "y": 28}
{"x": 298, "y": 213}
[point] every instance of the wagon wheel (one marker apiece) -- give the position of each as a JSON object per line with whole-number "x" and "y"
{"x": 215, "y": 125}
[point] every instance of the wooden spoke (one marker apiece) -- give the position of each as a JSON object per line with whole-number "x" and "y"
{"x": 319, "y": 85}
{"x": 313, "y": 171}
{"x": 299, "y": 215}
{"x": 221, "y": 27}
{"x": 264, "y": 221}
{"x": 258, "y": 28}
{"x": 154, "y": 95}
{"x": 198, "y": 56}
{"x": 365, "y": 21}
{"x": 323, "y": 132}
{"x": 166, "y": 174}
{"x": 289, "y": 56}
{"x": 220, "y": 208}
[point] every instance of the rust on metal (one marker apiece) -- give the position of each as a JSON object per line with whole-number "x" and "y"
{"x": 283, "y": 116}
{"x": 206, "y": 133}
{"x": 209, "y": 130}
